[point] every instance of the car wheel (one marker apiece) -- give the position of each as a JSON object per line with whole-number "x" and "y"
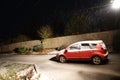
{"x": 62, "y": 59}
{"x": 96, "y": 60}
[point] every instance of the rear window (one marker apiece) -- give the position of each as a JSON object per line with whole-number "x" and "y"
{"x": 93, "y": 46}
{"x": 103, "y": 45}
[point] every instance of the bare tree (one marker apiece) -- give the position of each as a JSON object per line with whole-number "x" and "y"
{"x": 45, "y": 32}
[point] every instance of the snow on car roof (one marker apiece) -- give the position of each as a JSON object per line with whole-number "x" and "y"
{"x": 89, "y": 41}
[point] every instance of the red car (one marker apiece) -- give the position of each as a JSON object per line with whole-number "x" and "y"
{"x": 94, "y": 50}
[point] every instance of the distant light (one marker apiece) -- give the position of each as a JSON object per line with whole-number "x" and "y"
{"x": 116, "y": 4}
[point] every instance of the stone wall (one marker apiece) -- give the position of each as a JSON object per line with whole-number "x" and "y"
{"x": 107, "y": 37}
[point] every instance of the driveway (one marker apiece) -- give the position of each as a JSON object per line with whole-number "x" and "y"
{"x": 50, "y": 69}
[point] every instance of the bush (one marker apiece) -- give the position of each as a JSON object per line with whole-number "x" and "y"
{"x": 22, "y": 50}
{"x": 37, "y": 48}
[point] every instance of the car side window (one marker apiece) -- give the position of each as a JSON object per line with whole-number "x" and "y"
{"x": 85, "y": 46}
{"x": 75, "y": 47}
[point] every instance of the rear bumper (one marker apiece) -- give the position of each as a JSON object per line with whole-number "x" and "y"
{"x": 105, "y": 56}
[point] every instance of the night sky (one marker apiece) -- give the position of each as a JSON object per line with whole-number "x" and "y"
{"x": 19, "y": 16}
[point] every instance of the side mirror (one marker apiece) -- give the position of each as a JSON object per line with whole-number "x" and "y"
{"x": 66, "y": 51}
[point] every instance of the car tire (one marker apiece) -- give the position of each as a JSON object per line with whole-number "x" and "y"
{"x": 62, "y": 59}
{"x": 96, "y": 60}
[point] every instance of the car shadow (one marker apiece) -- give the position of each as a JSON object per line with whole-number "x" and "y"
{"x": 54, "y": 59}
{"x": 106, "y": 62}
{"x": 79, "y": 62}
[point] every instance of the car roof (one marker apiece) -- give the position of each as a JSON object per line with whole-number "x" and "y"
{"x": 89, "y": 41}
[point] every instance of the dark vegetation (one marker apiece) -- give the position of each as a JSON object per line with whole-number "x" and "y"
{"x": 26, "y": 50}
{"x": 77, "y": 23}
{"x": 37, "y": 48}
{"x": 116, "y": 43}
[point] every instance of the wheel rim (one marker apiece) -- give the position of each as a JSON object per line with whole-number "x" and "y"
{"x": 62, "y": 59}
{"x": 96, "y": 60}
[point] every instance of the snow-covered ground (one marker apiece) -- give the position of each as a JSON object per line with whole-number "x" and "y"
{"x": 53, "y": 52}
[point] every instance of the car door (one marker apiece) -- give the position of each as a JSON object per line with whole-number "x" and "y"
{"x": 73, "y": 52}
{"x": 86, "y": 51}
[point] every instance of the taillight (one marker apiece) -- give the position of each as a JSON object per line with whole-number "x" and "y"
{"x": 104, "y": 50}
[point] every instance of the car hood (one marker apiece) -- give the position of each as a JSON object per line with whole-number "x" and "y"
{"x": 62, "y": 51}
